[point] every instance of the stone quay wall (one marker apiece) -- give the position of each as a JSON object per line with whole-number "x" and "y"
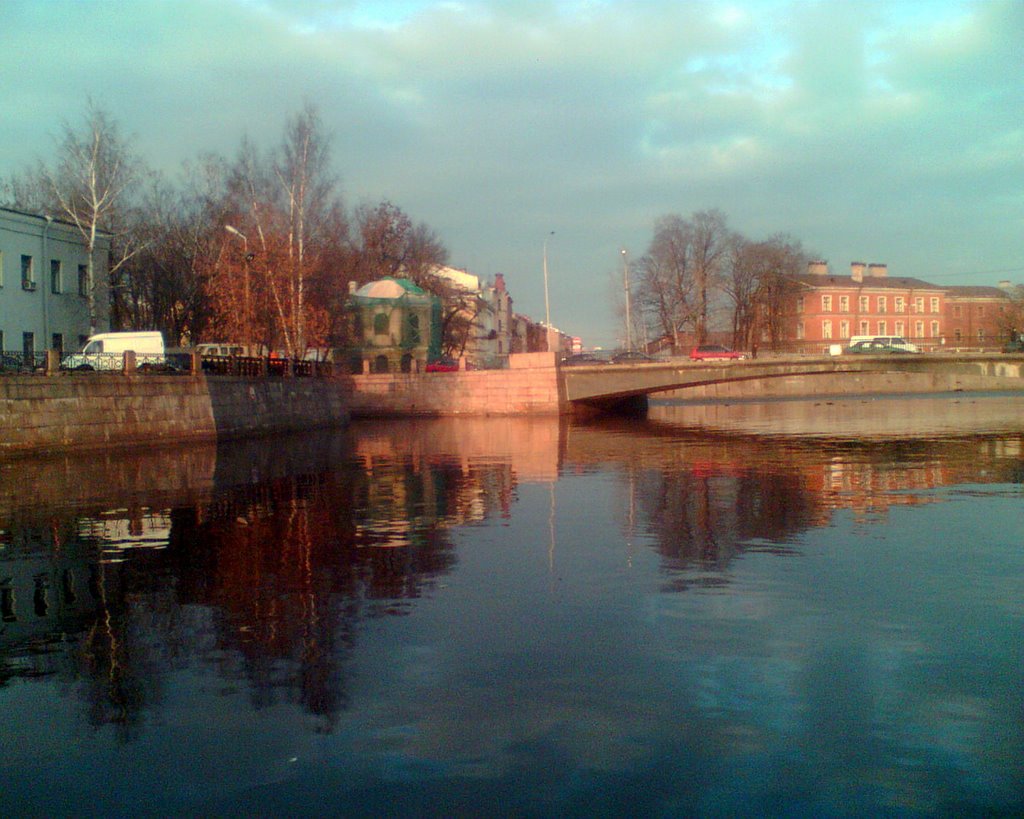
{"x": 85, "y": 411}
{"x": 530, "y": 385}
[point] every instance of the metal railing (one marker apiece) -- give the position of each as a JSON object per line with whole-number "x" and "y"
{"x": 20, "y": 362}
{"x": 52, "y": 362}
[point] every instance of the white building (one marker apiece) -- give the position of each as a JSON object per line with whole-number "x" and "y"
{"x": 490, "y": 340}
{"x": 43, "y": 284}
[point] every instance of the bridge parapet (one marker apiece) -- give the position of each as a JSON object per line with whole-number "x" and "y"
{"x": 606, "y": 386}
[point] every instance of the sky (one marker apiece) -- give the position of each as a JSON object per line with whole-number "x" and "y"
{"x": 888, "y": 132}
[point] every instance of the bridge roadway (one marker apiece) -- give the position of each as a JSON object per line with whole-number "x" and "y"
{"x": 625, "y": 387}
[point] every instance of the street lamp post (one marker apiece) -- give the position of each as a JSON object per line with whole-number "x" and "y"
{"x": 547, "y": 304}
{"x": 625, "y": 279}
{"x": 246, "y": 327}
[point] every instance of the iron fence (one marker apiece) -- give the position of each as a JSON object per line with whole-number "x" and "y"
{"x": 19, "y": 361}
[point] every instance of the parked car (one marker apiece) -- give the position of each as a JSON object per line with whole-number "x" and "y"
{"x": 711, "y": 352}
{"x": 891, "y": 341}
{"x": 582, "y": 359}
{"x": 631, "y": 357}
{"x": 877, "y": 347}
{"x": 444, "y": 364}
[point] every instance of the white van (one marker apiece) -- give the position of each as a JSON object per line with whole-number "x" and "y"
{"x": 898, "y": 342}
{"x": 105, "y": 351}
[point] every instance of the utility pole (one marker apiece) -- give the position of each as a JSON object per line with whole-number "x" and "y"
{"x": 547, "y": 304}
{"x": 625, "y": 279}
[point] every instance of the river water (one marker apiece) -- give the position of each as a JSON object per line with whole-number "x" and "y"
{"x": 794, "y": 607}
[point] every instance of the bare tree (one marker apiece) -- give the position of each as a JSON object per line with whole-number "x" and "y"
{"x": 89, "y": 185}
{"x": 303, "y": 172}
{"x": 782, "y": 259}
{"x": 665, "y": 284}
{"x": 709, "y": 240}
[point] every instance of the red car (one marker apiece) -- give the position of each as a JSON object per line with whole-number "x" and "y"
{"x": 710, "y": 352}
{"x": 443, "y": 365}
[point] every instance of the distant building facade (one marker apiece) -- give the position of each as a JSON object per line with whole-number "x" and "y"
{"x": 978, "y": 316}
{"x": 43, "y": 284}
{"x": 830, "y": 309}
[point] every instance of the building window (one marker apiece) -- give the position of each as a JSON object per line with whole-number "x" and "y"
{"x": 826, "y": 329}
{"x": 799, "y": 330}
{"x": 28, "y": 346}
{"x": 935, "y": 329}
{"x": 981, "y": 311}
{"x": 935, "y": 304}
{"x": 883, "y": 329}
{"x": 883, "y": 304}
{"x": 919, "y": 329}
{"x": 899, "y": 304}
{"x": 826, "y": 304}
{"x": 55, "y": 276}
{"x": 919, "y": 304}
{"x": 1, "y": 268}
{"x": 27, "y": 281}
{"x": 83, "y": 280}
{"x": 844, "y": 304}
{"x": 844, "y": 329}
{"x": 380, "y": 324}
{"x": 863, "y": 302}
{"x": 899, "y": 329}
{"x": 800, "y": 304}
{"x": 864, "y": 328}
{"x": 414, "y": 330}
{"x": 1, "y": 341}
{"x": 957, "y": 335}
{"x": 981, "y": 333}
{"x": 956, "y": 311}
{"x": 57, "y": 343}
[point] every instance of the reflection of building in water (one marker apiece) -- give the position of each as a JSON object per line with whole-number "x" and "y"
{"x": 402, "y": 498}
{"x": 119, "y": 531}
{"x": 701, "y": 500}
{"x": 48, "y": 590}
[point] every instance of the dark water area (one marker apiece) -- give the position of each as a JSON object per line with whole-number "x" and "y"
{"x": 790, "y": 608}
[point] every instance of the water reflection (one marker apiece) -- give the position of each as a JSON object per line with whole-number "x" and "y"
{"x": 280, "y": 573}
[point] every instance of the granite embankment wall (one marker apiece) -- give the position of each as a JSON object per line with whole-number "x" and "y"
{"x": 530, "y": 385}
{"x": 84, "y": 411}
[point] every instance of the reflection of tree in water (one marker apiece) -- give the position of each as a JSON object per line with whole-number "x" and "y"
{"x": 701, "y": 517}
{"x": 288, "y": 570}
{"x": 267, "y": 582}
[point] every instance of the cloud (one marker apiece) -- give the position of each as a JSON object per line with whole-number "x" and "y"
{"x": 885, "y": 130}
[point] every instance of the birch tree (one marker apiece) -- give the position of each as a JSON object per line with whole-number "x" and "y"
{"x": 89, "y": 185}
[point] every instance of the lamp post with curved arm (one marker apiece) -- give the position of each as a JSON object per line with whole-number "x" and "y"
{"x": 246, "y": 325}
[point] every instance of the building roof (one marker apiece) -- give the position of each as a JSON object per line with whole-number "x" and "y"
{"x": 388, "y": 288}
{"x": 976, "y": 292}
{"x": 868, "y": 283}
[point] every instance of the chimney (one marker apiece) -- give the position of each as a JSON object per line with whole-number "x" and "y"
{"x": 1005, "y": 285}
{"x": 818, "y": 268}
{"x": 857, "y": 271}
{"x": 499, "y": 282}
{"x": 878, "y": 270}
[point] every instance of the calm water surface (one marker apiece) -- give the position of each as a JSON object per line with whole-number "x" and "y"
{"x": 809, "y": 608}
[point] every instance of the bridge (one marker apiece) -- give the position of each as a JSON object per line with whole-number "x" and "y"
{"x": 626, "y": 387}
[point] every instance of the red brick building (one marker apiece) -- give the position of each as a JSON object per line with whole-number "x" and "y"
{"x": 831, "y": 309}
{"x": 978, "y": 317}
